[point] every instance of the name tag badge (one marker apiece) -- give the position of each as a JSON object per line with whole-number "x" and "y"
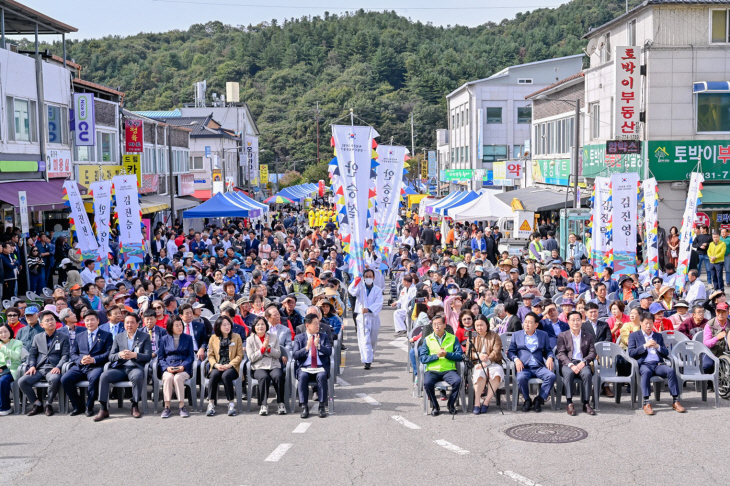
{"x": 57, "y": 347}
{"x": 136, "y": 349}
{"x": 232, "y": 344}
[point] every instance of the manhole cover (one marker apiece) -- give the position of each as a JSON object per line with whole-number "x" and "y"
{"x": 546, "y": 433}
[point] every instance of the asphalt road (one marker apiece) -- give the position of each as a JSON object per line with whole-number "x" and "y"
{"x": 377, "y": 435}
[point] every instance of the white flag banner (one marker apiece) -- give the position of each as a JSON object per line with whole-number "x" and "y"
{"x": 353, "y": 149}
{"x": 129, "y": 215}
{"x": 102, "y": 192}
{"x": 624, "y": 188}
{"x": 689, "y": 227}
{"x": 651, "y": 222}
{"x": 391, "y": 160}
{"x": 84, "y": 233}
{"x": 601, "y": 223}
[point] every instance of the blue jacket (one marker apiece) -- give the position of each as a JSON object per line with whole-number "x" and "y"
{"x": 478, "y": 244}
{"x": 547, "y": 326}
{"x": 334, "y": 322}
{"x": 518, "y": 349}
{"x": 8, "y": 265}
{"x": 637, "y": 350}
{"x": 99, "y": 351}
{"x": 184, "y": 355}
{"x": 299, "y": 352}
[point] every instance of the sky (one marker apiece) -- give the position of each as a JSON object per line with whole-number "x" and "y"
{"x": 98, "y": 18}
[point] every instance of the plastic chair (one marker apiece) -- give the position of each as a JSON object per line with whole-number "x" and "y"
{"x": 206, "y": 313}
{"x": 634, "y": 304}
{"x": 672, "y": 338}
{"x": 293, "y": 383}
{"x": 606, "y": 371}
{"x": 43, "y": 385}
{"x": 238, "y": 383}
{"x": 460, "y": 367}
{"x": 411, "y": 334}
{"x": 47, "y": 292}
{"x": 216, "y": 301}
{"x": 128, "y": 384}
{"x": 532, "y": 382}
{"x": 81, "y": 385}
{"x": 611, "y": 297}
{"x": 303, "y": 299}
{"x": 558, "y": 300}
{"x": 190, "y": 383}
{"x": 699, "y": 337}
{"x": 687, "y": 358}
{"x": 254, "y": 382}
{"x": 7, "y": 304}
{"x": 14, "y": 388}
{"x": 30, "y": 295}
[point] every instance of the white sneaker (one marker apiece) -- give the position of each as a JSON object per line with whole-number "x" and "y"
{"x": 211, "y": 410}
{"x": 264, "y": 410}
{"x": 7, "y": 412}
{"x": 282, "y": 409}
{"x": 231, "y": 409}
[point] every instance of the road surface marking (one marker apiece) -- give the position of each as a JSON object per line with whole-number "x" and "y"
{"x": 368, "y": 399}
{"x": 518, "y": 478}
{"x": 301, "y": 428}
{"x": 278, "y": 453}
{"x": 405, "y": 422}
{"x": 342, "y": 382}
{"x": 451, "y": 447}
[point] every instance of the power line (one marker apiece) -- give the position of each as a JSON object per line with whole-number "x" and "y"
{"x": 334, "y": 7}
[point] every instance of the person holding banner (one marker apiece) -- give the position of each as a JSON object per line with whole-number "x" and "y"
{"x": 368, "y": 304}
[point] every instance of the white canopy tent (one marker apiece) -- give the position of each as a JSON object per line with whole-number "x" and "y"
{"x": 423, "y": 203}
{"x": 486, "y": 206}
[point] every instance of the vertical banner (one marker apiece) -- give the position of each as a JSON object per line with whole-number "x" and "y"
{"x": 601, "y": 223}
{"x": 133, "y": 136}
{"x": 432, "y": 165}
{"x": 689, "y": 227}
{"x": 79, "y": 219}
{"x": 354, "y": 151}
{"x": 651, "y": 222}
{"x": 102, "y": 192}
{"x": 627, "y": 91}
{"x": 389, "y": 182}
{"x": 251, "y": 149}
{"x": 129, "y": 215}
{"x": 625, "y": 214}
{"x": 480, "y": 136}
{"x": 84, "y": 120}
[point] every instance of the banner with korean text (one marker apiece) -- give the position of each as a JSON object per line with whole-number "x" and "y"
{"x": 389, "y": 182}
{"x": 624, "y": 188}
{"x": 601, "y": 223}
{"x": 689, "y": 227}
{"x": 628, "y": 91}
{"x": 357, "y": 170}
{"x": 129, "y": 216}
{"x": 102, "y": 193}
{"x": 79, "y": 221}
{"x": 651, "y": 223}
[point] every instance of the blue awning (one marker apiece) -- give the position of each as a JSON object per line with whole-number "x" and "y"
{"x": 463, "y": 198}
{"x": 711, "y": 87}
{"x": 220, "y": 206}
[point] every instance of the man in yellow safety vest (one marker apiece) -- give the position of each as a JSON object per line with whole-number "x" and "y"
{"x": 440, "y": 352}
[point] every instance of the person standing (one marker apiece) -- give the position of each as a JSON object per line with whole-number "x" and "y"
{"x": 701, "y": 244}
{"x": 716, "y": 255}
{"x": 368, "y": 304}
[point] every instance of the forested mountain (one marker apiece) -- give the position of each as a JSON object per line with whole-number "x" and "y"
{"x": 382, "y": 65}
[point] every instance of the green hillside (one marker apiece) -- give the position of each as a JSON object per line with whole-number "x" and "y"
{"x": 382, "y": 65}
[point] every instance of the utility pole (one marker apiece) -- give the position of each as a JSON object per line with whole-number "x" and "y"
{"x": 413, "y": 144}
{"x": 318, "y": 133}
{"x": 576, "y": 202}
{"x": 172, "y": 177}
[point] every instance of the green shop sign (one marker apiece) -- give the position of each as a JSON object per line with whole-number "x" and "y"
{"x": 596, "y": 163}
{"x": 551, "y": 171}
{"x": 675, "y": 160}
{"x": 458, "y": 175}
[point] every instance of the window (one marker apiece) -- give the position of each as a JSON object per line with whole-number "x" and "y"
{"x": 106, "y": 146}
{"x": 196, "y": 163}
{"x": 606, "y": 52}
{"x": 22, "y": 117}
{"x": 57, "y": 123}
{"x": 719, "y": 26}
{"x": 452, "y": 122}
{"x": 462, "y": 118}
{"x": 467, "y": 116}
{"x": 517, "y": 151}
{"x": 524, "y": 114}
{"x": 554, "y": 137}
{"x": 467, "y": 153}
{"x": 494, "y": 115}
{"x": 524, "y": 81}
{"x": 713, "y": 112}
{"x": 631, "y": 33}
{"x": 493, "y": 153}
{"x": 595, "y": 109}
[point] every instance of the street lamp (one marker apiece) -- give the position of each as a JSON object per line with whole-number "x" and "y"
{"x": 575, "y": 145}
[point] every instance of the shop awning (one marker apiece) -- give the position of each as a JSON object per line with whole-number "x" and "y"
{"x": 711, "y": 87}
{"x": 156, "y": 202}
{"x": 42, "y": 195}
{"x": 715, "y": 195}
{"x": 203, "y": 195}
{"x": 220, "y": 206}
{"x": 149, "y": 206}
{"x": 539, "y": 199}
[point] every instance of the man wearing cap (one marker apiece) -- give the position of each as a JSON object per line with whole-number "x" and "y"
{"x": 33, "y": 327}
{"x": 526, "y": 306}
{"x": 715, "y": 336}
{"x": 301, "y": 286}
{"x": 287, "y": 310}
{"x": 645, "y": 301}
{"x": 682, "y": 313}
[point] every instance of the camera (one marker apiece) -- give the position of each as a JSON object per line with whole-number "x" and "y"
{"x": 420, "y": 300}
{"x": 470, "y": 334}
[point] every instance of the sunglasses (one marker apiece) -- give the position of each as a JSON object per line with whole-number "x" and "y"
{"x": 13, "y": 315}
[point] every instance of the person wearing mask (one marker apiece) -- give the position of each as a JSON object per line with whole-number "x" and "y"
{"x": 576, "y": 351}
{"x": 225, "y": 353}
{"x": 368, "y": 304}
{"x": 89, "y": 353}
{"x": 533, "y": 358}
{"x": 264, "y": 354}
{"x": 176, "y": 357}
{"x": 311, "y": 354}
{"x": 47, "y": 355}
{"x": 10, "y": 350}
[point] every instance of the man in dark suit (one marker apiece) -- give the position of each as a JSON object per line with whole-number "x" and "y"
{"x": 311, "y": 352}
{"x": 47, "y": 355}
{"x": 196, "y": 329}
{"x": 153, "y": 331}
{"x": 551, "y": 323}
{"x": 89, "y": 352}
{"x": 600, "y": 332}
{"x": 647, "y": 348}
{"x": 156, "y": 245}
{"x": 533, "y": 357}
{"x": 576, "y": 351}
{"x": 131, "y": 351}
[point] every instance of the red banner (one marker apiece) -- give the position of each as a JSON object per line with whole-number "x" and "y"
{"x": 134, "y": 135}
{"x": 321, "y": 188}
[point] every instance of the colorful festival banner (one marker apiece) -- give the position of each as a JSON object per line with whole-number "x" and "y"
{"x": 102, "y": 192}
{"x": 689, "y": 227}
{"x": 389, "y": 184}
{"x": 651, "y": 223}
{"x": 80, "y": 220}
{"x": 625, "y": 213}
{"x": 129, "y": 215}
{"x": 357, "y": 169}
{"x": 601, "y": 223}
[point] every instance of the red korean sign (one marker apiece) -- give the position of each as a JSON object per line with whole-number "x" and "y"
{"x": 134, "y": 135}
{"x": 628, "y": 91}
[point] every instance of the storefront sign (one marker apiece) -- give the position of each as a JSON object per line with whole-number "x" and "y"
{"x": 511, "y": 169}
{"x": 432, "y": 165}
{"x": 186, "y": 183}
{"x": 627, "y": 93}
{"x": 458, "y": 175}
{"x": 23, "y": 200}
{"x": 551, "y": 171}
{"x": 92, "y": 173}
{"x": 58, "y": 163}
{"x": 675, "y": 160}
{"x": 133, "y": 135}
{"x": 596, "y": 162}
{"x": 131, "y": 165}
{"x": 149, "y": 183}
{"x": 84, "y": 120}
{"x": 264, "y": 173}
{"x": 623, "y": 147}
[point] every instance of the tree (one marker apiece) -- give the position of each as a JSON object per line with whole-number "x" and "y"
{"x": 290, "y": 178}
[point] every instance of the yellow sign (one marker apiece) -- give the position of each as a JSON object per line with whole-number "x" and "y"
{"x": 264, "y": 173}
{"x": 217, "y": 176}
{"x": 91, "y": 173}
{"x": 255, "y": 182}
{"x": 131, "y": 165}
{"x": 424, "y": 169}
{"x": 525, "y": 226}
{"x": 517, "y": 205}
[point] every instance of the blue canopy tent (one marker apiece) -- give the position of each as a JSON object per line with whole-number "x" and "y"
{"x": 430, "y": 209}
{"x": 248, "y": 203}
{"x": 409, "y": 191}
{"x": 466, "y": 198}
{"x": 456, "y": 200}
{"x": 221, "y": 206}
